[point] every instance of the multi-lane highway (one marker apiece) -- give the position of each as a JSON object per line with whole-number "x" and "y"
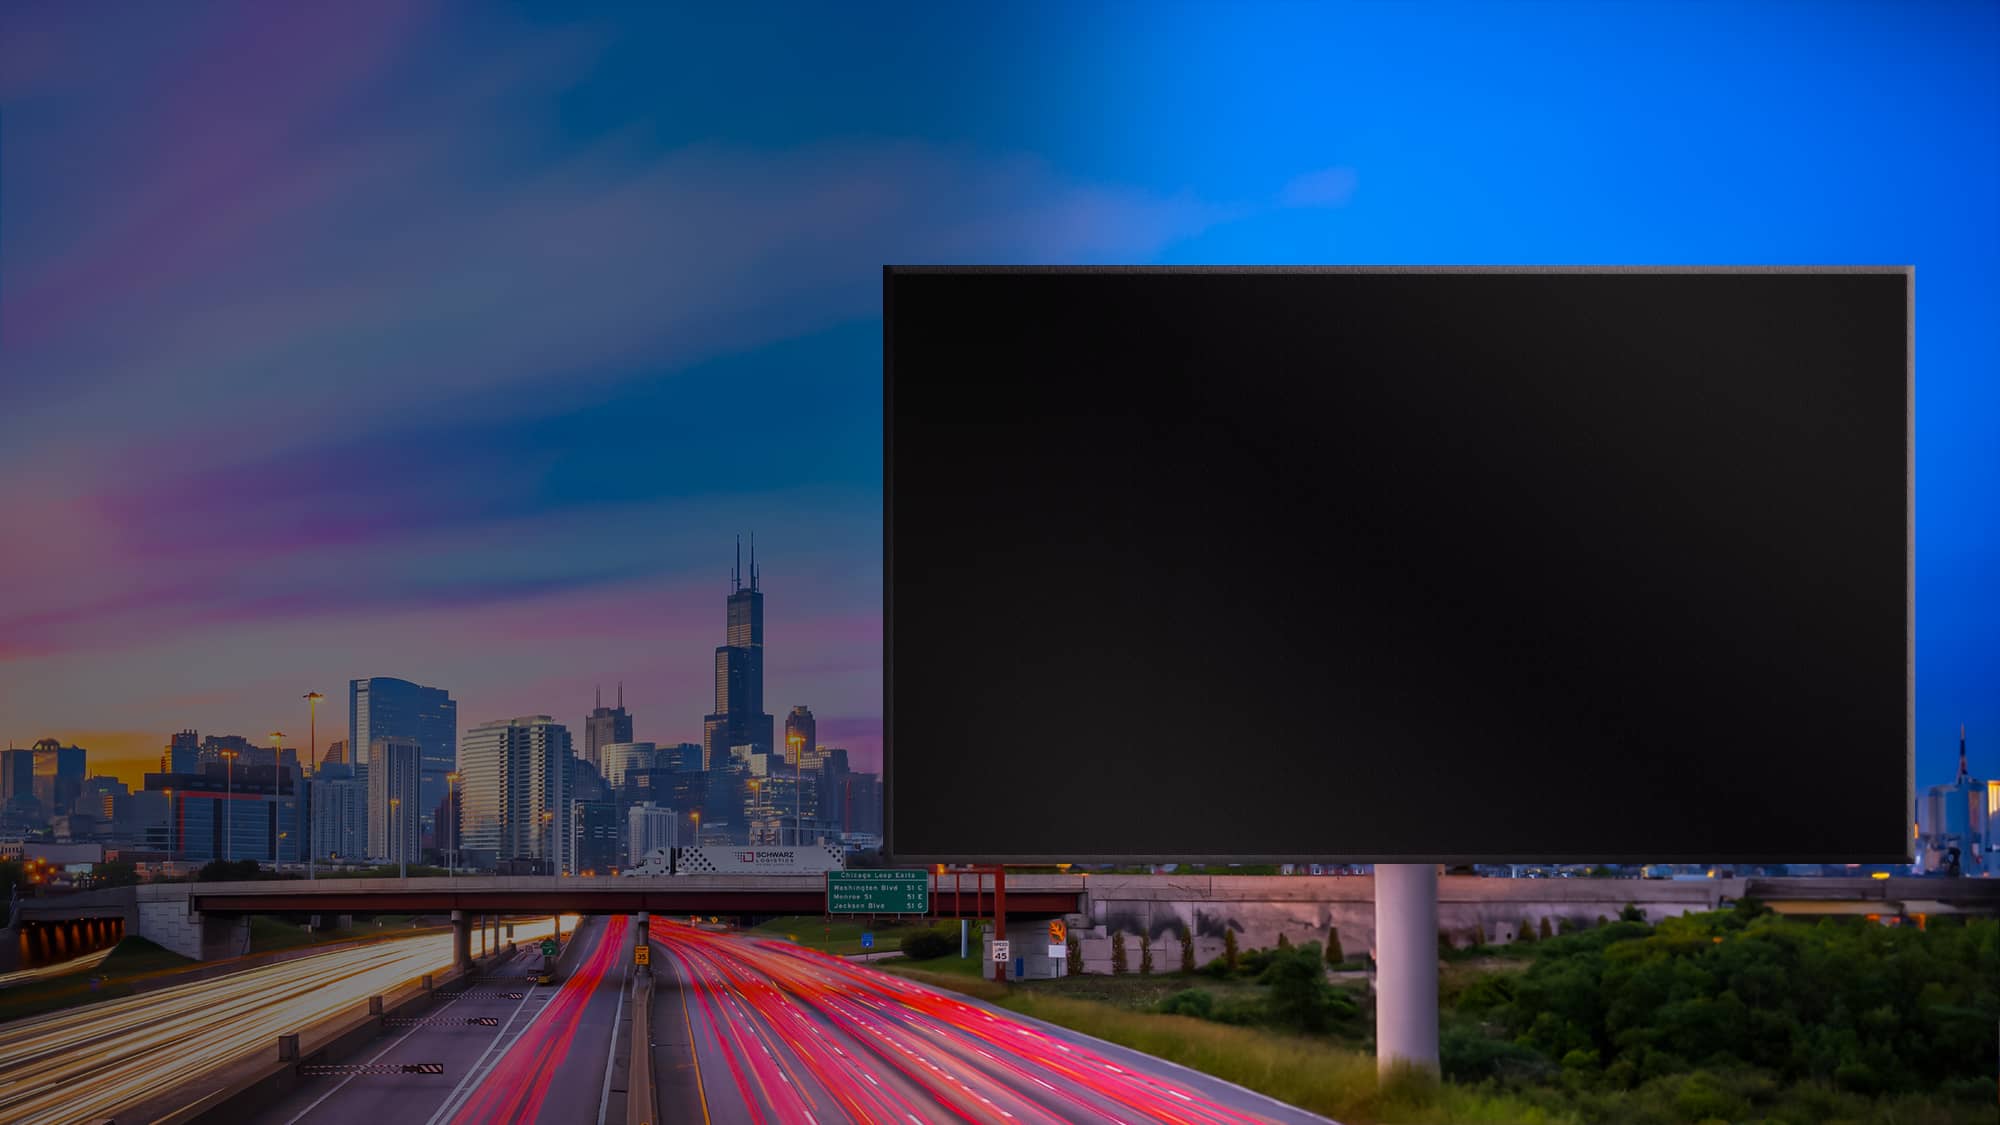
{"x": 86, "y": 1063}
{"x": 506, "y": 1049}
{"x": 760, "y": 1031}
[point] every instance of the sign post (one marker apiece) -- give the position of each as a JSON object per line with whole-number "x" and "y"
{"x": 878, "y": 891}
{"x": 1058, "y": 938}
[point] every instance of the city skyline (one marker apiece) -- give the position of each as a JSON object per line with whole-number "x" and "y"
{"x": 422, "y": 348}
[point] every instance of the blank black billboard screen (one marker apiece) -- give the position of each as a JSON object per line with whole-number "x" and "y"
{"x": 1398, "y": 564}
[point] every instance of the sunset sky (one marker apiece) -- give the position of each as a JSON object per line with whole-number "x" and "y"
{"x": 456, "y": 342}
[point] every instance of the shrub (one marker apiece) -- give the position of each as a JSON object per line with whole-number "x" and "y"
{"x": 923, "y": 945}
{"x": 1187, "y": 950}
{"x": 1146, "y": 955}
{"x": 1545, "y": 932}
{"x": 1525, "y": 931}
{"x": 1300, "y": 996}
{"x": 1118, "y": 963}
{"x": 1333, "y": 954}
{"x": 1196, "y": 1002}
{"x": 1075, "y": 956}
{"x": 1230, "y": 955}
{"x": 1478, "y": 937}
{"x": 1631, "y": 913}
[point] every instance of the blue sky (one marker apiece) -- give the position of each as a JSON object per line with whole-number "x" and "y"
{"x": 455, "y": 342}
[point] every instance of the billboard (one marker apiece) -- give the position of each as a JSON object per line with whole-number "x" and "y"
{"x": 1398, "y": 564}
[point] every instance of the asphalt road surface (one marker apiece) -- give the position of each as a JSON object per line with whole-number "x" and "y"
{"x": 98, "y": 1060}
{"x": 544, "y": 1057}
{"x": 766, "y": 1032}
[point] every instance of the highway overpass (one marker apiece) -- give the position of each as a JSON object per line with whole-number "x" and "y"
{"x": 207, "y": 920}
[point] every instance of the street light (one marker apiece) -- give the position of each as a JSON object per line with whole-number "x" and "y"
{"x": 312, "y": 699}
{"x": 228, "y": 799}
{"x": 798, "y": 786}
{"x": 549, "y": 818}
{"x": 451, "y": 810}
{"x": 396, "y": 821}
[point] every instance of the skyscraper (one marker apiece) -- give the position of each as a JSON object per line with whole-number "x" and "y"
{"x": 801, "y": 734}
{"x": 385, "y": 707}
{"x": 604, "y": 726}
{"x": 739, "y": 717}
{"x": 394, "y": 784}
{"x": 514, "y": 790}
{"x": 59, "y": 774}
{"x": 335, "y": 754}
{"x": 648, "y": 826}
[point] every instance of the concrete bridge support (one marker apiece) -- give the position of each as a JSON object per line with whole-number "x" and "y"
{"x": 461, "y": 940}
{"x": 1406, "y": 960}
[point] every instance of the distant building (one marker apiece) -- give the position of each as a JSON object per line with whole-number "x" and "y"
{"x": 336, "y": 753}
{"x": 59, "y": 772}
{"x": 647, "y": 827}
{"x": 514, "y": 782}
{"x": 183, "y": 754}
{"x": 620, "y": 757}
{"x": 386, "y": 707}
{"x": 1954, "y": 834}
{"x": 339, "y": 814}
{"x": 739, "y": 717}
{"x": 605, "y": 726}
{"x": 17, "y": 785}
{"x": 248, "y": 812}
{"x": 247, "y": 753}
{"x": 595, "y": 838}
{"x": 753, "y": 758}
{"x": 395, "y": 771}
{"x": 801, "y": 738}
{"x": 860, "y": 807}
{"x": 685, "y": 756}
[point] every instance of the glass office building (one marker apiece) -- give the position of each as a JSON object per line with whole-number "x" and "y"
{"x": 384, "y": 707}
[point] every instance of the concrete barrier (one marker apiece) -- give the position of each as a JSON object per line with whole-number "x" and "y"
{"x": 639, "y": 1097}
{"x": 239, "y": 1091}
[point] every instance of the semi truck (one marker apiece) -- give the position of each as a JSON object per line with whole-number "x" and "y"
{"x": 807, "y": 859}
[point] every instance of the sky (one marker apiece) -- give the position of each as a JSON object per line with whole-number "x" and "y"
{"x": 458, "y": 342}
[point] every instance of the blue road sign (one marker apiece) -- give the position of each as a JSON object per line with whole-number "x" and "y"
{"x": 867, "y": 941}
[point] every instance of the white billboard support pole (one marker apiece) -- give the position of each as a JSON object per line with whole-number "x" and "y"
{"x": 1406, "y": 966}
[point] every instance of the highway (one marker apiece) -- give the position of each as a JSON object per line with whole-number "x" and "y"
{"x": 85, "y": 1063}
{"x": 545, "y": 1056}
{"x": 760, "y": 1031}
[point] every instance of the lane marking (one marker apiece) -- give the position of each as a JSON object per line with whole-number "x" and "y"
{"x": 694, "y": 1052}
{"x": 611, "y": 1052}
{"x": 473, "y": 1075}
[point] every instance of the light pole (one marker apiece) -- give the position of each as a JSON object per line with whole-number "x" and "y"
{"x": 696, "y": 814}
{"x": 312, "y": 699}
{"x": 548, "y": 819}
{"x": 396, "y": 820}
{"x": 171, "y": 858}
{"x": 451, "y": 810}
{"x": 228, "y": 800}
{"x": 798, "y": 787}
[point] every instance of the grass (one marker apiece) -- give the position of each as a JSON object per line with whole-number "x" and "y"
{"x": 1314, "y": 1074}
{"x": 133, "y": 959}
{"x": 268, "y": 935}
{"x": 839, "y": 936}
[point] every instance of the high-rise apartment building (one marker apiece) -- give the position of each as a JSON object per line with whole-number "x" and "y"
{"x": 339, "y": 813}
{"x": 385, "y": 707}
{"x": 649, "y": 826}
{"x": 514, "y": 784}
{"x": 335, "y": 754}
{"x": 603, "y": 727}
{"x": 395, "y": 774}
{"x": 739, "y": 716}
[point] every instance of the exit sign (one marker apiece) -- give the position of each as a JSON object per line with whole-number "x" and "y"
{"x": 878, "y": 891}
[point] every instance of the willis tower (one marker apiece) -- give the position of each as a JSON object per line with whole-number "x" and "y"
{"x": 739, "y": 717}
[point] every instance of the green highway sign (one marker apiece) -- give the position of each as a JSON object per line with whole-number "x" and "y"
{"x": 549, "y": 948}
{"x": 878, "y": 891}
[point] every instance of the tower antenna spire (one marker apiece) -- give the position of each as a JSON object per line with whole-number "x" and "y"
{"x": 600, "y": 697}
{"x": 753, "y": 560}
{"x": 1961, "y": 752}
{"x": 621, "y": 695}
{"x": 736, "y": 573}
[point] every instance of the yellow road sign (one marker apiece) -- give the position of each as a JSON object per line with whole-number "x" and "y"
{"x": 642, "y": 954}
{"x": 1058, "y": 933}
